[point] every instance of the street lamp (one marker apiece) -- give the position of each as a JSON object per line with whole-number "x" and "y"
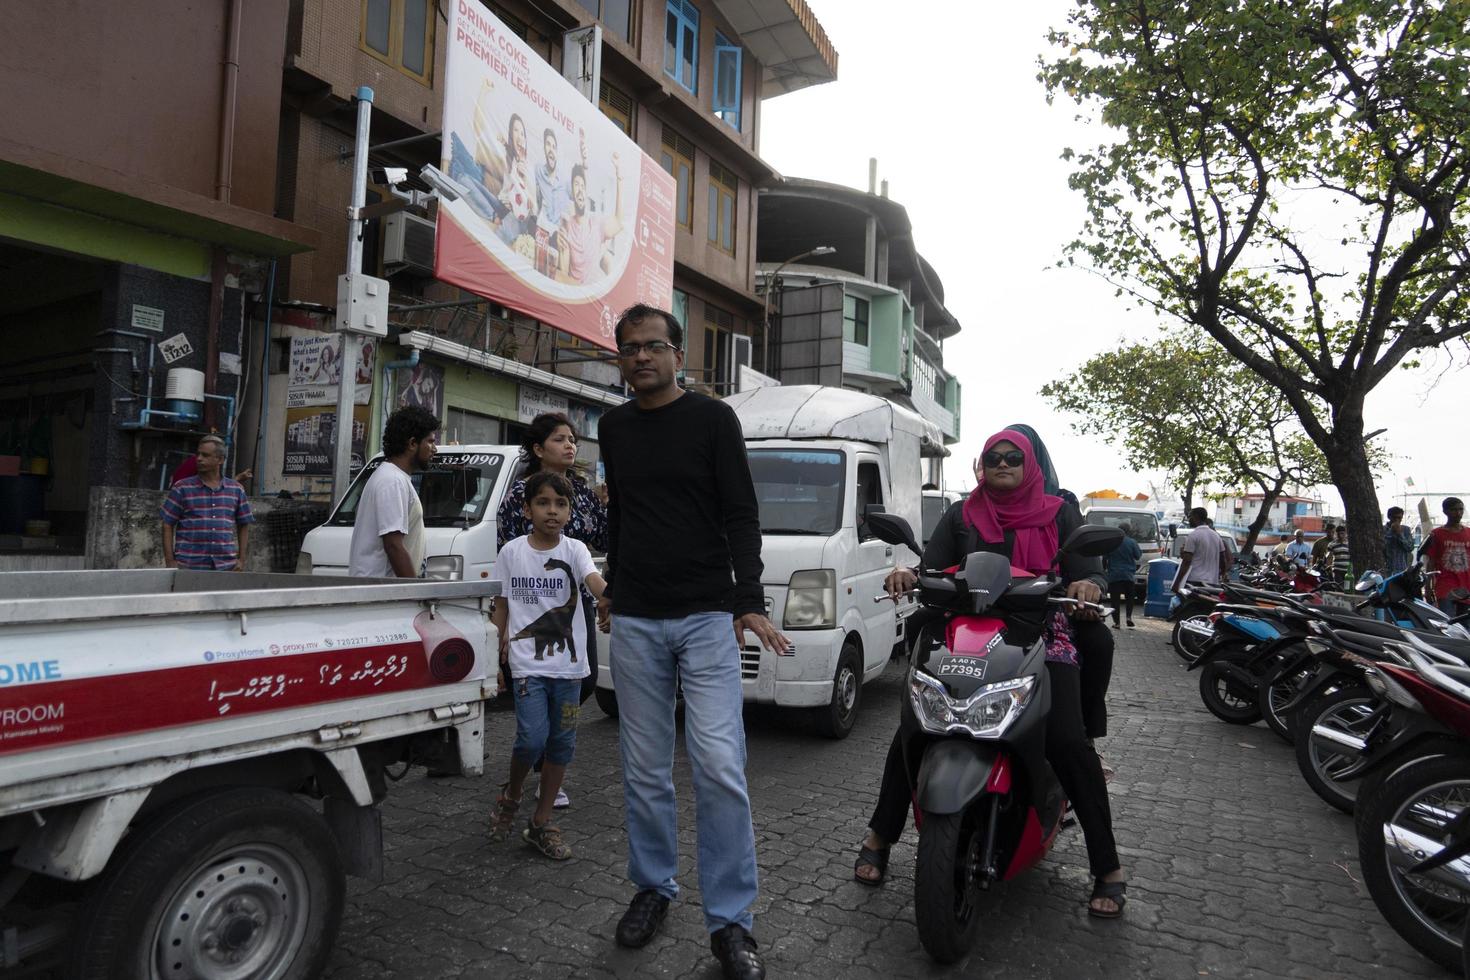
{"x": 766, "y": 312}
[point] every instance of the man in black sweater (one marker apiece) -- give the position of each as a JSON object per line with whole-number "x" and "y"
{"x": 683, "y": 586}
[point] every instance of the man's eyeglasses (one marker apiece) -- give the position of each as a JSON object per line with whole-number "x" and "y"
{"x": 1013, "y": 458}
{"x": 654, "y": 347}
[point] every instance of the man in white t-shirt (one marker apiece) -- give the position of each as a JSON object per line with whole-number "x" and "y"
{"x": 388, "y": 531}
{"x": 1204, "y": 559}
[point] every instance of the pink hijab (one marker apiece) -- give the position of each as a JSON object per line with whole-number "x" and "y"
{"x": 1027, "y": 510}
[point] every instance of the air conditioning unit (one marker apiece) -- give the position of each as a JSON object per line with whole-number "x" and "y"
{"x": 408, "y": 244}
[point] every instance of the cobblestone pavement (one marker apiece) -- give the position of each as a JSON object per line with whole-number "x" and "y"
{"x": 1237, "y": 870}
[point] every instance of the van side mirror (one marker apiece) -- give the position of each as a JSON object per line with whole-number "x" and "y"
{"x": 890, "y": 528}
{"x": 1092, "y": 541}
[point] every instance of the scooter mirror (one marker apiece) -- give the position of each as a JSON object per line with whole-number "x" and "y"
{"x": 892, "y": 529}
{"x": 1092, "y": 541}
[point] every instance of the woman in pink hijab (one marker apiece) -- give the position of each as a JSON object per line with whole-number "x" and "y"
{"x": 1009, "y": 512}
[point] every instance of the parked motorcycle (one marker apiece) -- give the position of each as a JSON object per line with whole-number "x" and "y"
{"x": 1419, "y": 806}
{"x": 986, "y": 802}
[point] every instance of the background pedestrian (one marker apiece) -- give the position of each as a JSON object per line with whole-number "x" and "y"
{"x": 206, "y": 517}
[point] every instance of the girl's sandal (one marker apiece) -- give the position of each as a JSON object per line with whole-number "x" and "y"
{"x": 1113, "y": 890}
{"x": 505, "y": 818}
{"x": 547, "y": 840}
{"x": 875, "y": 858}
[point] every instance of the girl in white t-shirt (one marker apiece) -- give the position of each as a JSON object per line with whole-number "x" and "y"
{"x": 543, "y": 648}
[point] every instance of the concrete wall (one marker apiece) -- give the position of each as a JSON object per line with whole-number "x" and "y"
{"x": 124, "y": 530}
{"x": 135, "y": 87}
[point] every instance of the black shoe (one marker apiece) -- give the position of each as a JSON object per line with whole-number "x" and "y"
{"x": 735, "y": 949}
{"x": 1115, "y": 624}
{"x": 645, "y": 914}
{"x": 1130, "y": 624}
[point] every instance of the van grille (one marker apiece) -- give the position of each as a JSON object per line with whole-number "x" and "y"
{"x": 750, "y": 663}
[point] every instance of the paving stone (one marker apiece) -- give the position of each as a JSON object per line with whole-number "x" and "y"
{"x": 1237, "y": 869}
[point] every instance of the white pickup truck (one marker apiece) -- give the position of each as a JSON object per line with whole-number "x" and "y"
{"x": 164, "y": 738}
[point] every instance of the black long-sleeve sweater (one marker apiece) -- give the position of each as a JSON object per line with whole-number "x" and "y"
{"x": 683, "y": 527}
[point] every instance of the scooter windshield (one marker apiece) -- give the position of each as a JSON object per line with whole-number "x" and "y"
{"x": 986, "y": 576}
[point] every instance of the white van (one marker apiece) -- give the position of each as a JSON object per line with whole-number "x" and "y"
{"x": 1145, "y": 531}
{"x": 821, "y": 460}
{"x": 461, "y": 491}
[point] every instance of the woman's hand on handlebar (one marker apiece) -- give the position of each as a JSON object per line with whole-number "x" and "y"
{"x": 899, "y": 581}
{"x": 1084, "y": 591}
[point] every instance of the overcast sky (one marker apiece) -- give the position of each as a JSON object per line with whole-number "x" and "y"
{"x": 946, "y": 97}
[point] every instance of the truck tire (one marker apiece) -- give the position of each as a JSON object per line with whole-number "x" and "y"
{"x": 238, "y": 882}
{"x": 836, "y": 718}
{"x": 608, "y": 702}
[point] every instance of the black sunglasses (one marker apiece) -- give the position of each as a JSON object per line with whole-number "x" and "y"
{"x": 1013, "y": 458}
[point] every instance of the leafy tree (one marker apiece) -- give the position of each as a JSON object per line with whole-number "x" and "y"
{"x": 1128, "y": 397}
{"x": 1188, "y": 407}
{"x": 1289, "y": 177}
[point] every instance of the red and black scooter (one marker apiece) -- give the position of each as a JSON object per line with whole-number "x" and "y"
{"x": 986, "y": 802}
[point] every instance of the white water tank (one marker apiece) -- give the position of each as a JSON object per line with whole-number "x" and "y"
{"x": 184, "y": 384}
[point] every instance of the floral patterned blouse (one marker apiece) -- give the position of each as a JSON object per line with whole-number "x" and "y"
{"x": 588, "y": 524}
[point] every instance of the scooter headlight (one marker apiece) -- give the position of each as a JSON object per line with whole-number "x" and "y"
{"x": 985, "y": 714}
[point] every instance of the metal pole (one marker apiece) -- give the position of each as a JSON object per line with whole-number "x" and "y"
{"x": 352, "y": 342}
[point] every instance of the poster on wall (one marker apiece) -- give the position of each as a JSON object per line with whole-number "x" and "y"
{"x": 311, "y": 439}
{"x": 562, "y": 216}
{"x": 421, "y": 385}
{"x": 316, "y": 371}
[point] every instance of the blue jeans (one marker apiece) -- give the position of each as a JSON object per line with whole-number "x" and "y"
{"x": 650, "y": 659}
{"x": 546, "y": 718}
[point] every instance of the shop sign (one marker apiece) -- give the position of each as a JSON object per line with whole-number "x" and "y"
{"x": 532, "y": 402}
{"x": 147, "y": 318}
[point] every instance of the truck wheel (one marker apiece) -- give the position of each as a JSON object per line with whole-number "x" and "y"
{"x": 608, "y": 702}
{"x": 234, "y": 883}
{"x": 836, "y": 718}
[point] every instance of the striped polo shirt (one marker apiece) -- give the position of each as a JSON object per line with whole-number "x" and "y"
{"x": 204, "y": 522}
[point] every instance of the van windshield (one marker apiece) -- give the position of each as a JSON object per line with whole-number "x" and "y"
{"x": 799, "y": 492}
{"x": 455, "y": 490}
{"x": 1145, "y": 526}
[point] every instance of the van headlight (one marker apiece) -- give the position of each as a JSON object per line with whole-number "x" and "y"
{"x": 446, "y": 568}
{"x": 303, "y": 563}
{"x": 811, "y": 600}
{"x": 985, "y": 714}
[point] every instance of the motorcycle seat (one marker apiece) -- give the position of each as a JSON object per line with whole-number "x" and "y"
{"x": 1383, "y": 634}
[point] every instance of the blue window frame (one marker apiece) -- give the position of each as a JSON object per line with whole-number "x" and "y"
{"x": 681, "y": 43}
{"x": 727, "y": 80}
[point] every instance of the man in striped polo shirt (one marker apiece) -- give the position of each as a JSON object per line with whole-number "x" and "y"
{"x": 203, "y": 515}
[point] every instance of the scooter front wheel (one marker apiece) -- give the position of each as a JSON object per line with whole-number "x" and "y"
{"x": 946, "y": 884}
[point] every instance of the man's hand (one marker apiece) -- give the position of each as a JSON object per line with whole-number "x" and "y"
{"x": 1085, "y": 591}
{"x": 899, "y": 581}
{"x": 604, "y": 613}
{"x": 170, "y": 563}
{"x": 764, "y": 631}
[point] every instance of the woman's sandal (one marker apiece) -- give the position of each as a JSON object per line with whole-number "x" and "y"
{"x": 875, "y": 858}
{"x": 1114, "y": 890}
{"x": 504, "y": 820}
{"x": 547, "y": 840}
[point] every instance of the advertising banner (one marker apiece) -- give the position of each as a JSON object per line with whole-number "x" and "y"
{"x": 310, "y": 439}
{"x": 421, "y": 385}
{"x": 562, "y": 217}
{"x": 316, "y": 370}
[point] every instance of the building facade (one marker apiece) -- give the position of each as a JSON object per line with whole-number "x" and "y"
{"x": 683, "y": 78}
{"x": 852, "y": 302}
{"x": 189, "y": 213}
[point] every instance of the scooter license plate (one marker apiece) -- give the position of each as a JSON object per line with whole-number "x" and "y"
{"x": 973, "y": 667}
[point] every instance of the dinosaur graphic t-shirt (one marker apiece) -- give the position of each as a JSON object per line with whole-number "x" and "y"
{"x": 546, "y": 624}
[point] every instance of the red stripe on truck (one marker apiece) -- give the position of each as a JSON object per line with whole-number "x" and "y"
{"x": 57, "y": 712}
